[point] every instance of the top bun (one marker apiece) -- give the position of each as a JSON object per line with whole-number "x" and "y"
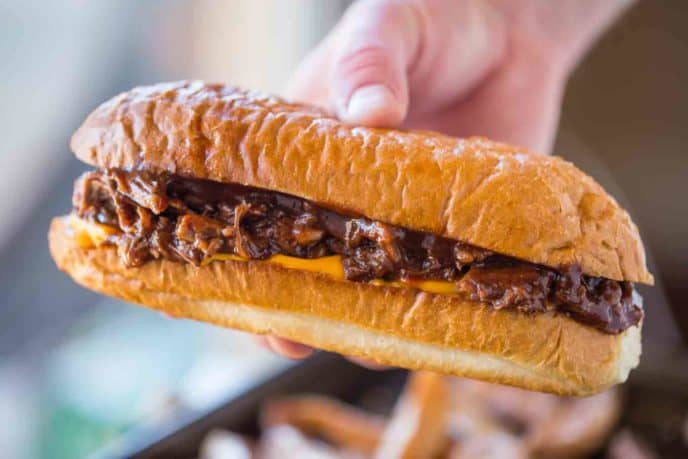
{"x": 503, "y": 198}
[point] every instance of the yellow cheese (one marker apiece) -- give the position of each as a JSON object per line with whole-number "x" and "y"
{"x": 223, "y": 257}
{"x": 331, "y": 265}
{"x": 89, "y": 234}
{"x": 431, "y": 286}
{"x": 435, "y": 286}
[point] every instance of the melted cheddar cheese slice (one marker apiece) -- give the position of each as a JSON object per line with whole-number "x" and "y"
{"x": 88, "y": 234}
{"x": 331, "y": 265}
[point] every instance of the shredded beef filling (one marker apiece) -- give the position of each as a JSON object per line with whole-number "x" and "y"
{"x": 190, "y": 220}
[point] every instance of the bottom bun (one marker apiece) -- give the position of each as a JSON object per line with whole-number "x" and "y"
{"x": 394, "y": 326}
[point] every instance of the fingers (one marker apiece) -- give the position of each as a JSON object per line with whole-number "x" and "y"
{"x": 360, "y": 70}
{"x": 369, "y": 364}
{"x": 286, "y": 348}
{"x": 519, "y": 103}
{"x": 293, "y": 350}
{"x": 307, "y": 84}
{"x": 377, "y": 42}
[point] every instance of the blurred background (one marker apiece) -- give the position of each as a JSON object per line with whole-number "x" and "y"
{"x": 78, "y": 371}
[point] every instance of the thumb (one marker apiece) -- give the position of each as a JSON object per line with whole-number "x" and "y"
{"x": 373, "y": 48}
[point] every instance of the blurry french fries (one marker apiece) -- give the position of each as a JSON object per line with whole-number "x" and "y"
{"x": 342, "y": 425}
{"x": 434, "y": 417}
{"x": 417, "y": 428}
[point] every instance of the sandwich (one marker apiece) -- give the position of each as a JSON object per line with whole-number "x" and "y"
{"x": 461, "y": 256}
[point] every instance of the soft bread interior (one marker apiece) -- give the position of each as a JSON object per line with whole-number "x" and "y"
{"x": 572, "y": 359}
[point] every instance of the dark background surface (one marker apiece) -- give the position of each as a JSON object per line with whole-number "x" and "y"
{"x": 653, "y": 412}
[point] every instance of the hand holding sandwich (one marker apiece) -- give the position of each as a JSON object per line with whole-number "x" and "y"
{"x": 492, "y": 68}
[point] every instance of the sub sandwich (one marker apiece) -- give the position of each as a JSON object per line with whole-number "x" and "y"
{"x": 413, "y": 249}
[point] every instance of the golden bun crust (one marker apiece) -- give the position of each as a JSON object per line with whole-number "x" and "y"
{"x": 394, "y": 326}
{"x": 535, "y": 207}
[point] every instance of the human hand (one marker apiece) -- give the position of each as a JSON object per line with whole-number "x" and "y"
{"x": 495, "y": 68}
